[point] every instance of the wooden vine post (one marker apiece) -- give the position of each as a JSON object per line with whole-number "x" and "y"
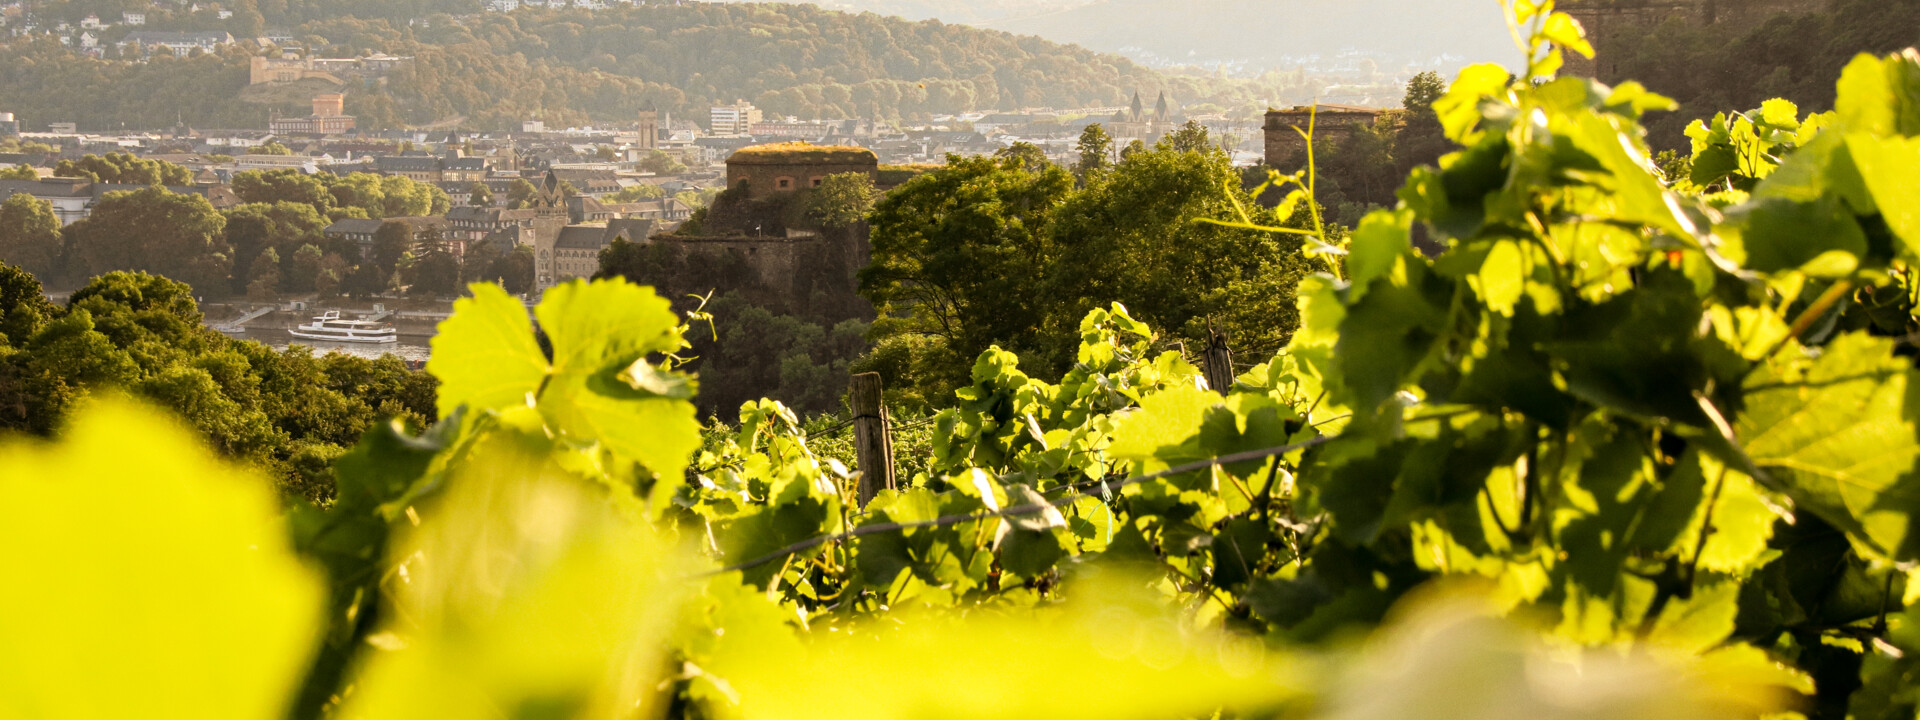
{"x": 1217, "y": 364}
{"x": 872, "y": 443}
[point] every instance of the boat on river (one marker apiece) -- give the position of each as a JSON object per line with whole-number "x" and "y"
{"x": 332, "y": 327}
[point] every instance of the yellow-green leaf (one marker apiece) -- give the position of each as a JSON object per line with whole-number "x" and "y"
{"x": 144, "y": 579}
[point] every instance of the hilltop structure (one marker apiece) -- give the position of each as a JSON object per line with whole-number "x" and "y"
{"x": 1606, "y": 21}
{"x": 286, "y": 69}
{"x": 764, "y": 171}
{"x": 1331, "y": 125}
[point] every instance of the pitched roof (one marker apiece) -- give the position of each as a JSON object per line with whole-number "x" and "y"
{"x": 390, "y": 163}
{"x": 353, "y": 226}
{"x": 581, "y": 237}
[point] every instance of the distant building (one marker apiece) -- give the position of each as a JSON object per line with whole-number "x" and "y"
{"x": 1136, "y": 123}
{"x": 133, "y": 18}
{"x": 73, "y": 200}
{"x": 735, "y": 119}
{"x": 1331, "y": 124}
{"x": 9, "y": 127}
{"x": 180, "y": 44}
{"x": 576, "y": 252}
{"x": 649, "y": 130}
{"x": 419, "y": 168}
{"x": 262, "y": 70}
{"x": 767, "y": 170}
{"x": 361, "y": 232}
{"x": 329, "y": 118}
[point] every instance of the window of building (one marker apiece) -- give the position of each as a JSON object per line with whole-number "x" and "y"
{"x": 784, "y": 183}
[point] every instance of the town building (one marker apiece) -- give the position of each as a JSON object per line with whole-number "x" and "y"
{"x": 179, "y": 44}
{"x": 329, "y": 118}
{"x": 74, "y": 199}
{"x": 9, "y": 127}
{"x": 649, "y": 132}
{"x": 735, "y": 119}
{"x": 361, "y": 232}
{"x": 576, "y": 252}
{"x": 1136, "y": 123}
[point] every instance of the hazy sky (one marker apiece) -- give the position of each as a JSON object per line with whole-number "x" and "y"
{"x": 1245, "y": 34}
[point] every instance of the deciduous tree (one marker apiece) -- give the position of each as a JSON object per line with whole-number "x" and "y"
{"x": 177, "y": 236}
{"x": 29, "y": 234}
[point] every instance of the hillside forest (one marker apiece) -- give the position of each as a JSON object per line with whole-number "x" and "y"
{"x": 491, "y": 71}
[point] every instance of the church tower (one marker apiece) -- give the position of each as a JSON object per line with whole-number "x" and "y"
{"x": 649, "y": 129}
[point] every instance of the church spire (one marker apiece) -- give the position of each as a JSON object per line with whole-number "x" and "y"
{"x": 1160, "y": 112}
{"x": 1138, "y": 110}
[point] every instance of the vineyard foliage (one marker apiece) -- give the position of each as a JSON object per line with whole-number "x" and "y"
{"x": 1633, "y": 446}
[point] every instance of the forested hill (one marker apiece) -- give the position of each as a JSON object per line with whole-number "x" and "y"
{"x": 492, "y": 70}
{"x": 1262, "y": 34}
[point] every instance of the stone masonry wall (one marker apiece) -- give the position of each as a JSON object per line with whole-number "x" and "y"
{"x": 1608, "y": 20}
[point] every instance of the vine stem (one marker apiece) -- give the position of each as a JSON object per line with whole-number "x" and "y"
{"x": 1814, "y": 312}
{"x": 1706, "y": 528}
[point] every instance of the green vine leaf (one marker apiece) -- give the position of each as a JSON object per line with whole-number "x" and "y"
{"x": 485, "y": 355}
{"x": 1837, "y": 433}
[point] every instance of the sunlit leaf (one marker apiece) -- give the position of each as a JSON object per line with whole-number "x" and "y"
{"x": 145, "y": 579}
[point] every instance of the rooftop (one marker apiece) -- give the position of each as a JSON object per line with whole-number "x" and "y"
{"x": 792, "y": 152}
{"x": 1327, "y": 109}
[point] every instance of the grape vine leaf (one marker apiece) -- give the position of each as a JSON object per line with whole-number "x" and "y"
{"x": 1838, "y": 434}
{"x": 485, "y": 356}
{"x": 147, "y": 579}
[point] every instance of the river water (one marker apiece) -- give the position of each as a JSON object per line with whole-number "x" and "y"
{"x": 411, "y": 347}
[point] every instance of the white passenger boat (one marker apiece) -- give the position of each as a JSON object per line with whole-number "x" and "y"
{"x": 331, "y": 327}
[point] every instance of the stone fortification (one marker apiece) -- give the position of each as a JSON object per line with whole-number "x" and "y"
{"x": 1608, "y": 21}
{"x": 768, "y": 170}
{"x": 1331, "y": 124}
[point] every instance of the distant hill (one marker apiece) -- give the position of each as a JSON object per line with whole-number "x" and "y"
{"x": 1253, "y": 35}
{"x": 1263, "y": 34}
{"x": 574, "y": 67}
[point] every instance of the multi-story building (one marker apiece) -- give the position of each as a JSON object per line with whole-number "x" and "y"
{"x": 736, "y": 119}
{"x": 329, "y": 118}
{"x": 649, "y": 133}
{"x": 9, "y": 127}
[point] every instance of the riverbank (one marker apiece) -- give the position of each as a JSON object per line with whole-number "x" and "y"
{"x": 415, "y": 321}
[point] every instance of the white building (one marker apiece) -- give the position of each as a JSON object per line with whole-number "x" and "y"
{"x": 133, "y": 18}
{"x": 736, "y": 119}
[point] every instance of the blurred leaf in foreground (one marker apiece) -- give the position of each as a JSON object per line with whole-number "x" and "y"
{"x": 145, "y": 579}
